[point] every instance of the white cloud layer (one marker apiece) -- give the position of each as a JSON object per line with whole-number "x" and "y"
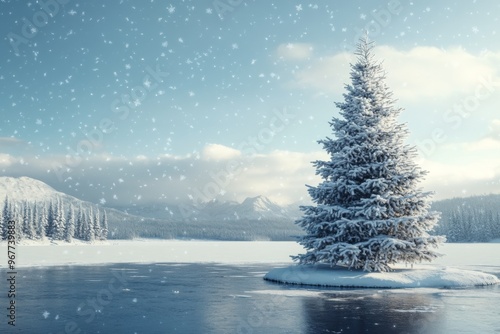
{"x": 421, "y": 72}
{"x": 280, "y": 175}
{"x": 219, "y": 152}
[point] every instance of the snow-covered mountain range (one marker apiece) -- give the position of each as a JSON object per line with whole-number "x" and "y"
{"x": 252, "y": 208}
{"x": 212, "y": 220}
{"x": 27, "y": 189}
{"x": 31, "y": 190}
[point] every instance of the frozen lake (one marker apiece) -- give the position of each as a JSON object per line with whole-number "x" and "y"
{"x": 232, "y": 298}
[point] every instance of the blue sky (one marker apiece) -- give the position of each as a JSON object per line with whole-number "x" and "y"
{"x": 133, "y": 101}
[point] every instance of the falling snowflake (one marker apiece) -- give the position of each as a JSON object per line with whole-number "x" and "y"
{"x": 45, "y": 314}
{"x": 38, "y": 121}
{"x": 72, "y": 12}
{"x": 164, "y": 44}
{"x": 134, "y": 300}
{"x": 102, "y": 201}
{"x": 362, "y": 16}
{"x": 298, "y": 8}
{"x": 170, "y": 9}
{"x": 475, "y": 30}
{"x": 208, "y": 11}
{"x": 128, "y": 66}
{"x": 234, "y": 46}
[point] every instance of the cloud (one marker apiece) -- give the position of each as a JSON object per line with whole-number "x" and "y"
{"x": 475, "y": 173}
{"x": 421, "y": 72}
{"x": 494, "y": 129}
{"x": 219, "y": 152}
{"x": 280, "y": 175}
{"x": 6, "y": 160}
{"x": 295, "y": 51}
{"x": 217, "y": 172}
{"x": 485, "y": 144}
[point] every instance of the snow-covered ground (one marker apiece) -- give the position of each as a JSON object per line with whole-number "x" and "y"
{"x": 466, "y": 256}
{"x": 150, "y": 250}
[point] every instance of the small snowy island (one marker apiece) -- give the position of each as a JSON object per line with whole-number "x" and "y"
{"x": 422, "y": 277}
{"x": 368, "y": 215}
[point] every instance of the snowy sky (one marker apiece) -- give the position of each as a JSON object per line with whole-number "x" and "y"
{"x": 137, "y": 101}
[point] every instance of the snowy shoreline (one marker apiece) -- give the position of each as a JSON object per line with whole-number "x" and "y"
{"x": 28, "y": 254}
{"x": 37, "y": 254}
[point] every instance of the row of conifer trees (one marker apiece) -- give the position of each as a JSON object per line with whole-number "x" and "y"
{"x": 52, "y": 220}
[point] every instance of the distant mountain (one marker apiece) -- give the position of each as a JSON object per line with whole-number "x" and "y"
{"x": 25, "y": 188}
{"x": 252, "y": 208}
{"x": 255, "y": 219}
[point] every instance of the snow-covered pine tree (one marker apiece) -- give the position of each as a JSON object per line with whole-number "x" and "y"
{"x": 17, "y": 216}
{"x": 96, "y": 221}
{"x": 50, "y": 220}
{"x": 89, "y": 225}
{"x": 368, "y": 211}
{"x": 36, "y": 220}
{"x": 28, "y": 226}
{"x": 79, "y": 230}
{"x": 5, "y": 216}
{"x": 3, "y": 225}
{"x": 59, "y": 221}
{"x": 104, "y": 226}
{"x": 69, "y": 229}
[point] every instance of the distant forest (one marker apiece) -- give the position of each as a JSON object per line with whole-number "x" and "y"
{"x": 53, "y": 220}
{"x": 471, "y": 219}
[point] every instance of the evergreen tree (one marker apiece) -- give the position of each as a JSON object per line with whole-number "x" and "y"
{"x": 17, "y": 216}
{"x": 28, "y": 225}
{"x": 50, "y": 220}
{"x": 368, "y": 211}
{"x": 6, "y": 215}
{"x": 59, "y": 221}
{"x": 89, "y": 226}
{"x": 3, "y": 224}
{"x": 36, "y": 220}
{"x": 70, "y": 225}
{"x": 96, "y": 222}
{"x": 43, "y": 222}
{"x": 104, "y": 226}
{"x": 79, "y": 229}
